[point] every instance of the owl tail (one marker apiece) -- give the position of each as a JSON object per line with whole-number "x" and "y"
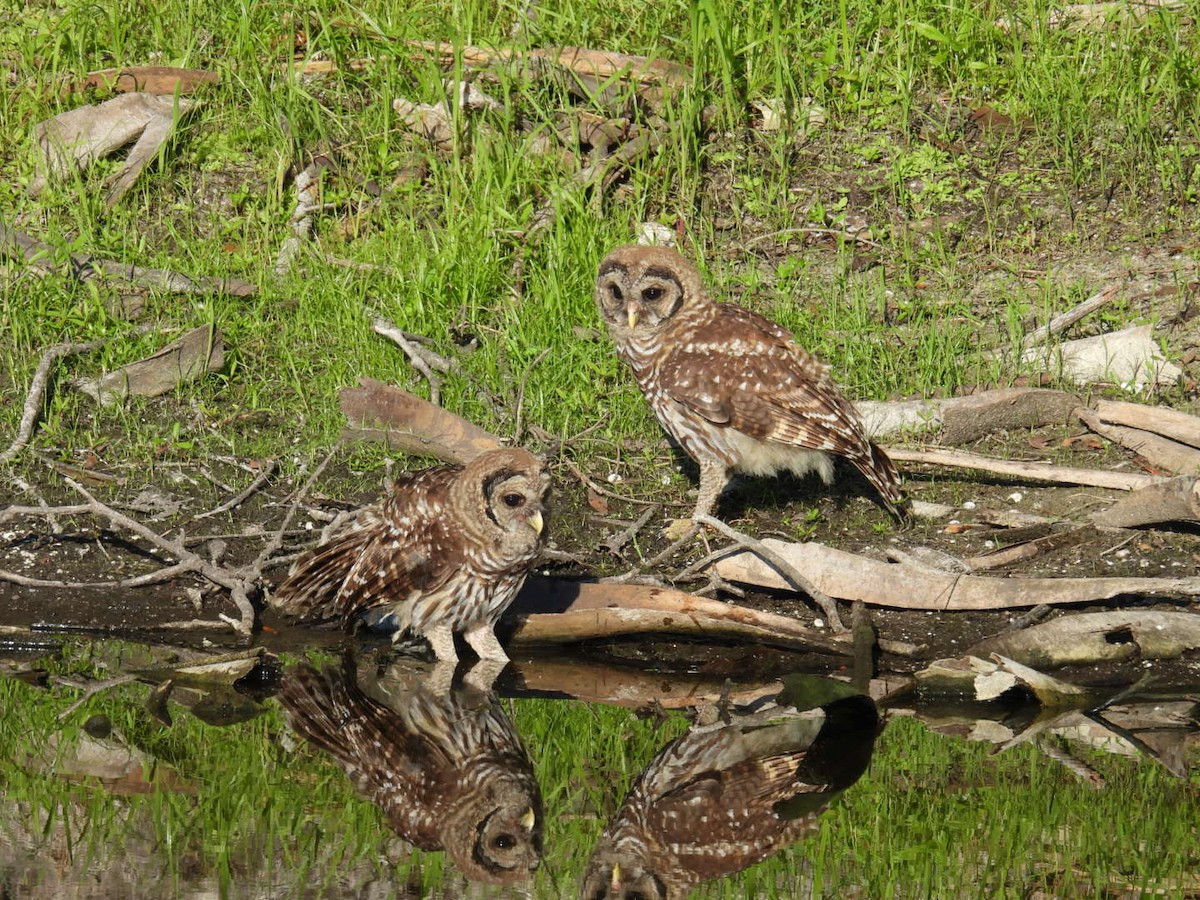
{"x": 882, "y": 473}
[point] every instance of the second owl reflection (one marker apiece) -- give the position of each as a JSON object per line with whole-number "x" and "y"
{"x": 446, "y": 767}
{"x": 726, "y": 796}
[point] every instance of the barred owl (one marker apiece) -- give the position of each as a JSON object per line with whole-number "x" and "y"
{"x": 724, "y": 797}
{"x": 446, "y": 552}
{"x": 734, "y": 389}
{"x": 448, "y": 770}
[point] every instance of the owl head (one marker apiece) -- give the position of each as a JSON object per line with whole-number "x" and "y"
{"x": 497, "y": 837}
{"x": 615, "y": 873}
{"x": 510, "y": 489}
{"x": 639, "y": 289}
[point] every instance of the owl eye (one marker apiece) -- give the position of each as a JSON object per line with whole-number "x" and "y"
{"x": 513, "y": 501}
{"x": 503, "y": 842}
{"x": 651, "y": 294}
{"x": 615, "y": 290}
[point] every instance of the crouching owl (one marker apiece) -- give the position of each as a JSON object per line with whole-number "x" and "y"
{"x": 447, "y": 769}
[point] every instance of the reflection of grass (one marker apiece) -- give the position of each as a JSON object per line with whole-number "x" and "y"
{"x": 934, "y": 816}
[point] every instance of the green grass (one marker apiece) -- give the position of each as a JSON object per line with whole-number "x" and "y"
{"x": 1108, "y": 131}
{"x": 933, "y": 816}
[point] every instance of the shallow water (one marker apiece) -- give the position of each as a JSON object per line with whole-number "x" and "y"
{"x": 353, "y": 772}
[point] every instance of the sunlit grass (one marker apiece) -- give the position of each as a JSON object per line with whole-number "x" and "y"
{"x": 1108, "y": 109}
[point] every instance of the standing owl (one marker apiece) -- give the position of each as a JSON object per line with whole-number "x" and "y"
{"x": 724, "y": 797}
{"x": 734, "y": 389}
{"x": 446, "y": 552}
{"x": 448, "y": 770}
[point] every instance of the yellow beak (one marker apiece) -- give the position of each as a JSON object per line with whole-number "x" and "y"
{"x": 535, "y": 520}
{"x": 615, "y": 881}
{"x": 527, "y": 820}
{"x": 631, "y": 314}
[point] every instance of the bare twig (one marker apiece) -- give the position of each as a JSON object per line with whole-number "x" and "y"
{"x": 89, "y": 690}
{"x": 296, "y": 499}
{"x": 617, "y": 542}
{"x": 593, "y": 485}
{"x": 790, "y": 573}
{"x": 37, "y": 392}
{"x": 1062, "y": 322}
{"x": 234, "y": 582}
{"x": 388, "y": 330}
{"x": 268, "y": 469}
{"x": 1124, "y": 481}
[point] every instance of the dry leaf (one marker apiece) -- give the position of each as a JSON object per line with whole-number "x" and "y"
{"x": 198, "y": 352}
{"x": 79, "y": 137}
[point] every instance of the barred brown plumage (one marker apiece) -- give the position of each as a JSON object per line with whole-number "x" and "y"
{"x": 445, "y": 552}
{"x": 446, "y": 767}
{"x": 733, "y": 388}
{"x": 725, "y": 796}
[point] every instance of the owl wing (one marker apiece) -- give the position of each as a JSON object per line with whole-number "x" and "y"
{"x": 391, "y": 550}
{"x": 400, "y": 771}
{"x": 741, "y": 370}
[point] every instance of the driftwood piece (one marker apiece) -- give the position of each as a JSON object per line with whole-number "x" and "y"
{"x": 1159, "y": 451}
{"x": 404, "y": 421}
{"x": 1177, "y": 500}
{"x": 965, "y": 419}
{"x": 1034, "y": 471}
{"x": 1093, "y": 637}
{"x": 1131, "y": 358}
{"x": 850, "y": 577}
{"x": 47, "y": 258}
{"x": 169, "y": 80}
{"x": 198, "y": 352}
{"x": 989, "y": 679}
{"x": 79, "y": 137}
{"x": 556, "y": 611}
{"x": 1170, "y": 423}
{"x": 1063, "y": 321}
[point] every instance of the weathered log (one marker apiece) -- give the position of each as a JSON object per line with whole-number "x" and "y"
{"x": 1093, "y": 637}
{"x": 409, "y": 423}
{"x": 1157, "y": 450}
{"x": 850, "y": 577}
{"x": 1177, "y": 500}
{"x": 556, "y": 611}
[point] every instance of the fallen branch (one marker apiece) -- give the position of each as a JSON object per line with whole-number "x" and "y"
{"x": 42, "y": 256}
{"x": 1176, "y": 500}
{"x": 850, "y": 577}
{"x": 795, "y": 578}
{"x": 1063, "y": 321}
{"x": 169, "y": 80}
{"x": 420, "y": 362}
{"x": 235, "y": 582}
{"x": 407, "y": 422}
{"x": 961, "y": 420}
{"x": 195, "y": 354}
{"x": 1159, "y": 451}
{"x": 554, "y": 611}
{"x": 32, "y": 409}
{"x": 1086, "y": 638}
{"x": 1033, "y": 471}
{"x": 1170, "y": 423}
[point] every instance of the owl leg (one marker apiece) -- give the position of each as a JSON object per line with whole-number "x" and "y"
{"x": 441, "y": 639}
{"x": 483, "y": 641}
{"x": 713, "y": 478}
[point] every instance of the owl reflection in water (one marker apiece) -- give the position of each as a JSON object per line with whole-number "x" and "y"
{"x": 724, "y": 797}
{"x": 447, "y": 769}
